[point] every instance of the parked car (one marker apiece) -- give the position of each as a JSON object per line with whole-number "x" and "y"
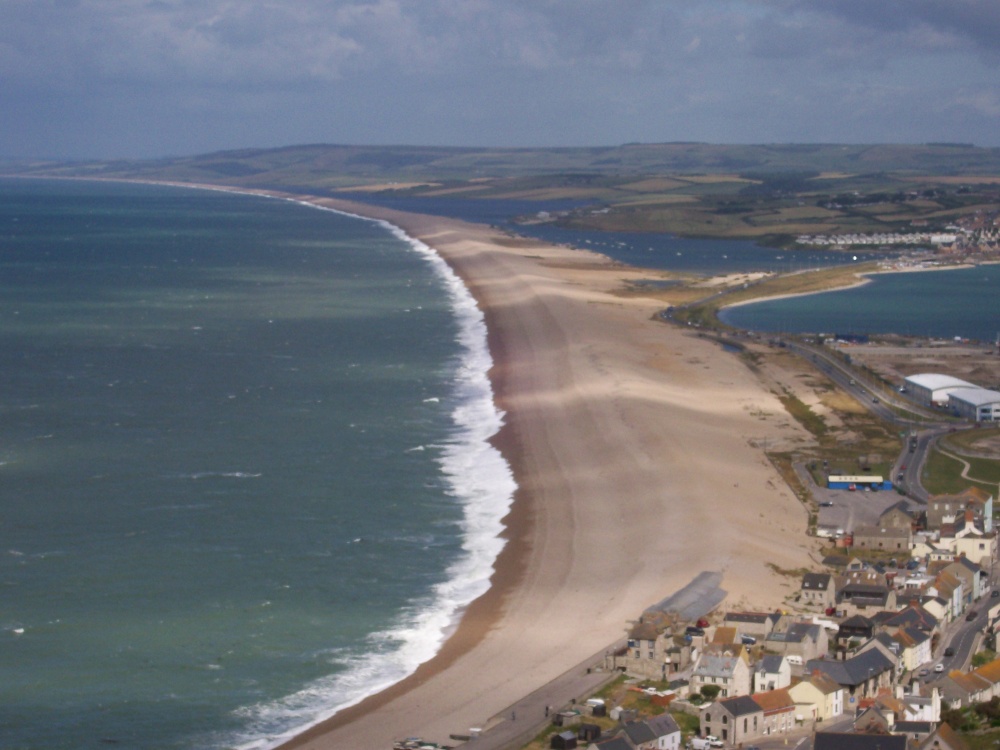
{"x": 923, "y": 672}
{"x": 949, "y": 651}
{"x": 971, "y": 616}
{"x": 994, "y": 593}
{"x": 713, "y": 740}
{"x": 699, "y": 743}
{"x": 694, "y": 630}
{"x": 826, "y": 504}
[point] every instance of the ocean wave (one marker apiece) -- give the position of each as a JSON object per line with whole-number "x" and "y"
{"x": 480, "y": 478}
{"x": 218, "y": 475}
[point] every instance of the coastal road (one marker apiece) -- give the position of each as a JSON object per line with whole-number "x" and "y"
{"x": 519, "y": 723}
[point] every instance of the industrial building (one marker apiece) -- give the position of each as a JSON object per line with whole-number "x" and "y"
{"x": 977, "y": 404}
{"x": 933, "y": 389}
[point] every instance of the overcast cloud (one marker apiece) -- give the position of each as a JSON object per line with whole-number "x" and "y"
{"x": 143, "y": 78}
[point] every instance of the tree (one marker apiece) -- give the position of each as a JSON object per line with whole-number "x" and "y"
{"x": 711, "y": 692}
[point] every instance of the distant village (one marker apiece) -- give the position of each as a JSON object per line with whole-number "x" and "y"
{"x": 978, "y": 232}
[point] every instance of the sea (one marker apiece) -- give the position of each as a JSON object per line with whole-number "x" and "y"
{"x": 244, "y": 463}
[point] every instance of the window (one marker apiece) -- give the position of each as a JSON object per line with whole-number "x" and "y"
{"x": 725, "y": 719}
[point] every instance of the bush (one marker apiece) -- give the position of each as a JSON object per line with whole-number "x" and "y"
{"x": 711, "y": 692}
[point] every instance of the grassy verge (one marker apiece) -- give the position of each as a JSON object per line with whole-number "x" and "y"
{"x": 942, "y": 474}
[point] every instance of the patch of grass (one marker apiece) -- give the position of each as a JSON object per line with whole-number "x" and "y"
{"x": 803, "y": 414}
{"x": 787, "y": 572}
{"x": 942, "y": 474}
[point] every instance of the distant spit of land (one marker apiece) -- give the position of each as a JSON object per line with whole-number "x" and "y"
{"x": 770, "y": 193}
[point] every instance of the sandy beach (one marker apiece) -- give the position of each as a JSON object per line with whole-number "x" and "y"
{"x": 634, "y": 447}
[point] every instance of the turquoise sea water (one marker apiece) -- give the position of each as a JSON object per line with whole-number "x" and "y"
{"x": 934, "y": 304}
{"x": 243, "y": 464}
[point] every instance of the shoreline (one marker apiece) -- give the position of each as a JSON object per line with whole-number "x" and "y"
{"x": 634, "y": 447}
{"x": 863, "y": 279}
{"x": 528, "y": 528}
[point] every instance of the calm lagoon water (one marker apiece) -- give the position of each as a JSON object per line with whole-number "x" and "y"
{"x": 243, "y": 462}
{"x": 937, "y": 304}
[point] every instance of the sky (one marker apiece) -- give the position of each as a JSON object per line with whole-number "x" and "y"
{"x": 109, "y": 79}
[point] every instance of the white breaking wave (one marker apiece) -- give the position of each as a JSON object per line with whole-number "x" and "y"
{"x": 480, "y": 478}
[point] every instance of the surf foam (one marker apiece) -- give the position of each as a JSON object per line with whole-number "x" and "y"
{"x": 477, "y": 476}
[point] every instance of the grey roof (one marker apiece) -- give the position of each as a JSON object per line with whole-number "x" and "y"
{"x": 969, "y": 564}
{"x": 915, "y": 727}
{"x": 615, "y": 743}
{"x": 758, "y": 617}
{"x": 711, "y": 665}
{"x": 851, "y": 741}
{"x": 975, "y": 396}
{"x": 797, "y": 632}
{"x": 816, "y": 581}
{"x": 902, "y": 505}
{"x": 770, "y": 663}
{"x": 663, "y": 725}
{"x": 855, "y": 670}
{"x": 639, "y": 733}
{"x": 913, "y": 617}
{"x": 741, "y": 705}
{"x": 883, "y": 532}
{"x": 933, "y": 381}
{"x": 856, "y": 622}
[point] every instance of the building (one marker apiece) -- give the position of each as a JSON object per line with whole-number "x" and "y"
{"x": 889, "y": 538}
{"x": 932, "y": 389}
{"x": 865, "y": 591}
{"x": 897, "y": 516}
{"x": 727, "y": 670}
{"x": 941, "y": 508}
{"x": 803, "y": 640}
{"x": 861, "y": 676}
{"x": 756, "y": 624}
{"x": 772, "y": 672}
{"x": 818, "y": 590}
{"x": 658, "y": 733}
{"x": 733, "y": 720}
{"x": 977, "y": 404}
{"x": 818, "y": 698}
{"x": 779, "y": 711}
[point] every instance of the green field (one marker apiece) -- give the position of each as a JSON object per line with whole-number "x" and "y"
{"x": 770, "y": 193}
